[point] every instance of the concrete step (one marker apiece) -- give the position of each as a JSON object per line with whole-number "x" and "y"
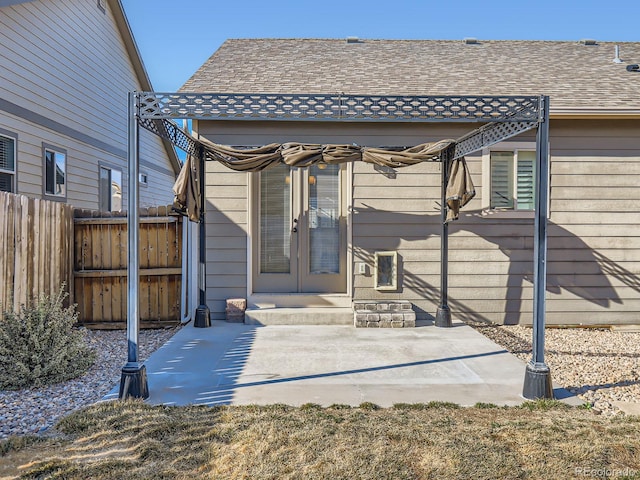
{"x": 299, "y": 316}
{"x": 299, "y": 300}
{"x": 626, "y": 328}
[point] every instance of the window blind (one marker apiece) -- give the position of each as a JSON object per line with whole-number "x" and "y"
{"x": 501, "y": 180}
{"x": 525, "y": 175}
{"x": 6, "y": 182}
{"x": 324, "y": 219}
{"x": 275, "y": 220}
{"x": 7, "y": 154}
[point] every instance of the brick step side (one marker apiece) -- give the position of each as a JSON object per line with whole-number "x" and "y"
{"x": 384, "y": 314}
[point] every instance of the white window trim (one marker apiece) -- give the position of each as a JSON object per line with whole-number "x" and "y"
{"x": 487, "y": 211}
{"x": 14, "y": 172}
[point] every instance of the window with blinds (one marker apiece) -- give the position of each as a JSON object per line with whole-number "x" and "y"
{"x": 275, "y": 220}
{"x": 7, "y": 164}
{"x": 324, "y": 219}
{"x": 501, "y": 180}
{"x": 512, "y": 180}
{"x": 525, "y": 176}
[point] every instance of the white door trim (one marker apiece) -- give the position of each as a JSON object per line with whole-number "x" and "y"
{"x": 299, "y": 299}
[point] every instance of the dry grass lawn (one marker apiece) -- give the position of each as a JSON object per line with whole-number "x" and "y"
{"x": 131, "y": 440}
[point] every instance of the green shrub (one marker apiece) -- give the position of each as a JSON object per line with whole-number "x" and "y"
{"x": 39, "y": 346}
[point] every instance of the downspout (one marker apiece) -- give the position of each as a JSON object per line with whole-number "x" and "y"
{"x": 185, "y": 296}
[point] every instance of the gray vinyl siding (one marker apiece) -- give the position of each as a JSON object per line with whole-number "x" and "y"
{"x": 594, "y": 227}
{"x": 593, "y": 237}
{"x": 66, "y": 62}
{"x": 595, "y": 222}
{"x": 226, "y": 215}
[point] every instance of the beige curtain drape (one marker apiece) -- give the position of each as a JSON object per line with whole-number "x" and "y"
{"x": 186, "y": 190}
{"x": 305, "y": 155}
{"x": 187, "y": 200}
{"x": 460, "y": 189}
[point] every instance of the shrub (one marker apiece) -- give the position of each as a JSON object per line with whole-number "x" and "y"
{"x": 39, "y": 346}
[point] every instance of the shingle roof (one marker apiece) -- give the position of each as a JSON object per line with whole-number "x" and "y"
{"x": 573, "y": 74}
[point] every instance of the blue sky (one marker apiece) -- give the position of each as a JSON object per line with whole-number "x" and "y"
{"x": 176, "y": 37}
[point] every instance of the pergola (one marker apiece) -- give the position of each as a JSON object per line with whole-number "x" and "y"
{"x": 500, "y": 118}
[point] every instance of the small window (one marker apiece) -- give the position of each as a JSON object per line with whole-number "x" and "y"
{"x": 386, "y": 271}
{"x": 512, "y": 175}
{"x": 144, "y": 179}
{"x": 55, "y": 172}
{"x": 7, "y": 164}
{"x": 110, "y": 190}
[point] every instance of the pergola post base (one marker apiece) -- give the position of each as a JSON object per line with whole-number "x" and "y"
{"x": 537, "y": 382}
{"x": 203, "y": 317}
{"x": 133, "y": 382}
{"x": 443, "y": 316}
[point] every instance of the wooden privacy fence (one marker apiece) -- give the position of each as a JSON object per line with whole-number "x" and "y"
{"x": 35, "y": 248}
{"x": 100, "y": 268}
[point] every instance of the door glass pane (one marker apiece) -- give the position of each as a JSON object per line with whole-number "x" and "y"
{"x": 324, "y": 219}
{"x": 275, "y": 220}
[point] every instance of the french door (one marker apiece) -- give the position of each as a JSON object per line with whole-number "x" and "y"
{"x": 300, "y": 244}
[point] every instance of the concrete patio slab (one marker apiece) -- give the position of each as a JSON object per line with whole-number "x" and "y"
{"x": 238, "y": 364}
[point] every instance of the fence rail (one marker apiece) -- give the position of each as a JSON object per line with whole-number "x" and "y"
{"x": 45, "y": 244}
{"x": 36, "y": 249}
{"x": 100, "y": 268}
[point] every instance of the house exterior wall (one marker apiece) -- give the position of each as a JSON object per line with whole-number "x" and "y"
{"x": 64, "y": 77}
{"x": 594, "y": 231}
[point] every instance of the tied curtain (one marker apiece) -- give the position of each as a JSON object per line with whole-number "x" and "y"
{"x": 305, "y": 155}
{"x": 460, "y": 188}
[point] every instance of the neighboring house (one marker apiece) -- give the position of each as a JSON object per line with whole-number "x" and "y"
{"x": 307, "y": 238}
{"x": 65, "y": 69}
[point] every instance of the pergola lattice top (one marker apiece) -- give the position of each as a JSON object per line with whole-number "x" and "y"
{"x": 339, "y": 107}
{"x": 504, "y": 116}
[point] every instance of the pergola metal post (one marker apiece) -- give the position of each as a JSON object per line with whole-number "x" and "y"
{"x": 537, "y": 379}
{"x": 443, "y": 314}
{"x": 203, "y": 314}
{"x": 133, "y": 382}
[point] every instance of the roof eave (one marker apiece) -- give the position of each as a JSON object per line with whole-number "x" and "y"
{"x": 594, "y": 113}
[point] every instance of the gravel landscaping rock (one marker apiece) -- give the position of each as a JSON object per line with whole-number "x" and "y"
{"x": 600, "y": 366}
{"x": 30, "y": 411}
